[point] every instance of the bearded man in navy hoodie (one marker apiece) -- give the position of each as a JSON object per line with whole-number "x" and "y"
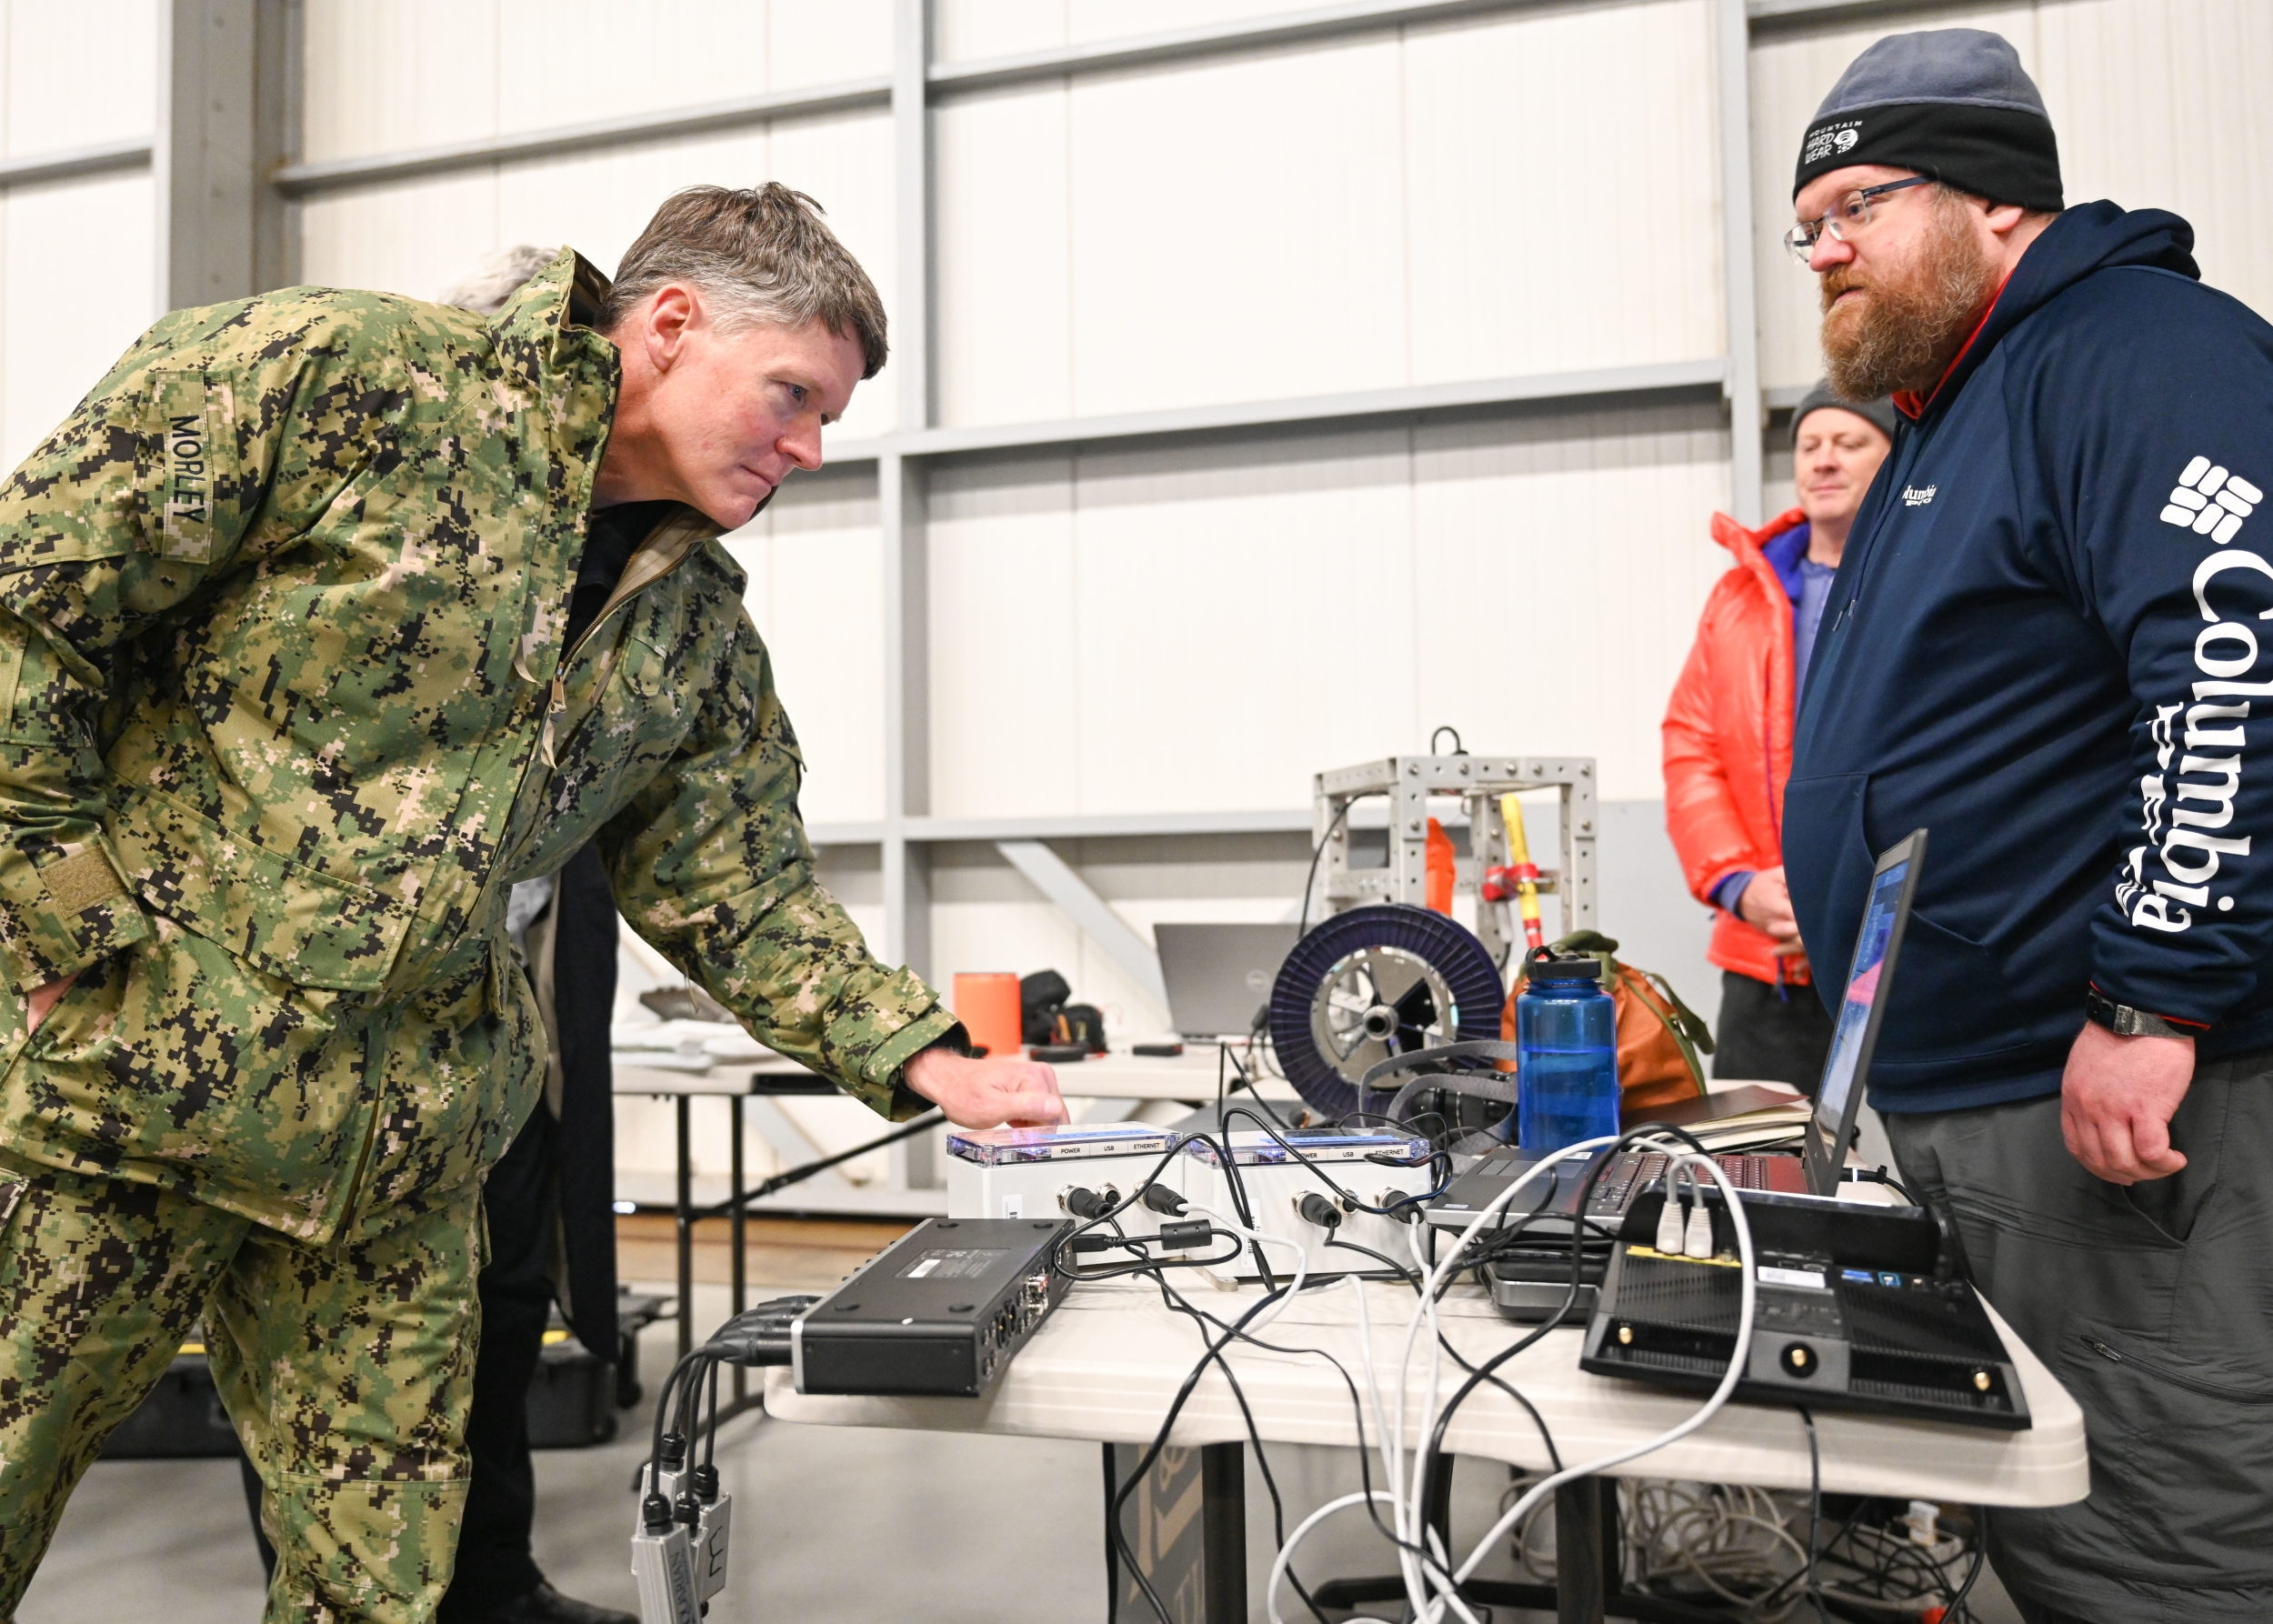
{"x": 2044, "y": 645}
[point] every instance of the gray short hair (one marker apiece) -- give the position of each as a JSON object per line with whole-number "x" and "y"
{"x": 497, "y": 277}
{"x": 759, "y": 255}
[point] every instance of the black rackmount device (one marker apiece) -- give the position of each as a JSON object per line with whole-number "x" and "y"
{"x": 939, "y": 1312}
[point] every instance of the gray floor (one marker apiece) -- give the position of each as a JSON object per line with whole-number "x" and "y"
{"x": 828, "y": 1523}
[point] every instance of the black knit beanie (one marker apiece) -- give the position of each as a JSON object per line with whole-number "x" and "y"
{"x": 1878, "y": 413}
{"x": 1951, "y": 102}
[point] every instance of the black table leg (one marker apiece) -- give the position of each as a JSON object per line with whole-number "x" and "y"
{"x": 1224, "y": 1517}
{"x": 1579, "y": 1577}
{"x": 738, "y": 1225}
{"x": 686, "y": 1230}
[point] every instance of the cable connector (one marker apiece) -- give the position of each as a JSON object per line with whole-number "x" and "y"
{"x": 1698, "y": 1240}
{"x": 1316, "y": 1209}
{"x": 1161, "y": 1199}
{"x": 654, "y": 1514}
{"x": 758, "y": 1335}
{"x": 1089, "y": 1203}
{"x": 1184, "y": 1236}
{"x": 1672, "y": 1236}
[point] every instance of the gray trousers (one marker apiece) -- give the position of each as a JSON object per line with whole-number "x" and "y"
{"x": 2154, "y": 1307}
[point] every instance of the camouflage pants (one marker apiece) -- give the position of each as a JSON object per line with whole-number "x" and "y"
{"x": 348, "y": 1372}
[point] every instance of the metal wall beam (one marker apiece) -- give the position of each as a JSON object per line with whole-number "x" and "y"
{"x": 74, "y": 164}
{"x": 900, "y": 488}
{"x": 1218, "y": 39}
{"x": 302, "y": 180}
{"x": 1575, "y": 391}
{"x": 906, "y": 714}
{"x": 1055, "y": 878}
{"x": 1732, "y": 57}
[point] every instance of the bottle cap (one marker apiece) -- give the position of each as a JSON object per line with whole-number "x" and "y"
{"x": 1544, "y": 965}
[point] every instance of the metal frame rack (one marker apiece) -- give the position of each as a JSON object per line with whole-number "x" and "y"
{"x": 1409, "y": 783}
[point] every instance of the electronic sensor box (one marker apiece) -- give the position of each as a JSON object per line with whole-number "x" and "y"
{"x": 1386, "y": 1168}
{"x": 940, "y": 1311}
{"x": 1032, "y": 1172}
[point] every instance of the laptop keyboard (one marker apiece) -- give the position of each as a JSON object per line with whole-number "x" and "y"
{"x": 1632, "y": 1170}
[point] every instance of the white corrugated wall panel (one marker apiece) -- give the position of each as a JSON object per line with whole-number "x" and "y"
{"x": 1005, "y": 283}
{"x": 418, "y": 73}
{"x": 1412, "y": 205}
{"x": 410, "y": 73}
{"x": 412, "y": 237}
{"x": 1235, "y": 229}
{"x": 80, "y": 74}
{"x": 2162, "y": 104}
{"x": 1574, "y": 545}
{"x": 1245, "y": 621}
{"x": 1563, "y": 209}
{"x": 78, "y": 266}
{"x": 972, "y": 30}
{"x": 565, "y": 61}
{"x": 1205, "y": 628}
{"x": 815, "y": 558}
{"x": 1006, "y": 639}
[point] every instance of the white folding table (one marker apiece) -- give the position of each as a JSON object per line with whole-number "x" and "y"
{"x": 1105, "y": 1365}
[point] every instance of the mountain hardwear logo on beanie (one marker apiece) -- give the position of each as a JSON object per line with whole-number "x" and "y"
{"x": 1951, "y": 102}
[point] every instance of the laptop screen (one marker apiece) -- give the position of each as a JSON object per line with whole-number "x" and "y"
{"x": 1845, "y": 1070}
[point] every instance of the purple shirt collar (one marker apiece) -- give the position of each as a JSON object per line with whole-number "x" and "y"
{"x": 1783, "y": 554}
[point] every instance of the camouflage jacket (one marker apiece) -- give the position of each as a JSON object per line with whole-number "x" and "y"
{"x": 284, "y": 711}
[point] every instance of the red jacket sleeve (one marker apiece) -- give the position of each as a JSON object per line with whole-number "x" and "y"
{"x": 1700, "y": 814}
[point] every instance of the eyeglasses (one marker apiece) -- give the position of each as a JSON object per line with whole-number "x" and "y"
{"x": 1850, "y": 215}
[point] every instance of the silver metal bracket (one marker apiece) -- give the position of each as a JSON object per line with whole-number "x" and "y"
{"x": 1408, "y": 783}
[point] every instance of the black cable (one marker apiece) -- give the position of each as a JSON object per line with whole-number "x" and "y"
{"x": 1349, "y": 1198}
{"x": 1357, "y": 1409}
{"x": 1302, "y": 925}
{"x": 1262, "y": 1458}
{"x": 1159, "y": 1442}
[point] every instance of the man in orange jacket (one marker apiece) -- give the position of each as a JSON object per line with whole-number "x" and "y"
{"x": 1728, "y": 732}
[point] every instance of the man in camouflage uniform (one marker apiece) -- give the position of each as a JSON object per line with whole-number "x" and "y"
{"x": 286, "y": 707}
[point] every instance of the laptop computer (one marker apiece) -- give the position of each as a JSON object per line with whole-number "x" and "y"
{"x": 1219, "y": 975}
{"x": 1535, "y": 1283}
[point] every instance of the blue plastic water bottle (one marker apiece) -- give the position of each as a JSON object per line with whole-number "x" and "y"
{"x": 1567, "y": 1029}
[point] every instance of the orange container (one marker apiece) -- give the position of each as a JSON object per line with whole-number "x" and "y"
{"x": 987, "y": 1003}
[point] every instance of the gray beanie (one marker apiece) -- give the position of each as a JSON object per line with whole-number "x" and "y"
{"x": 1878, "y": 412}
{"x": 1951, "y": 102}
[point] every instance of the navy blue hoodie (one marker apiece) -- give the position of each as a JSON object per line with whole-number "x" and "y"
{"x": 2043, "y": 646}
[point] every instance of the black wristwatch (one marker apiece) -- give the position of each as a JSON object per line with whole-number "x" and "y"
{"x": 2125, "y": 1021}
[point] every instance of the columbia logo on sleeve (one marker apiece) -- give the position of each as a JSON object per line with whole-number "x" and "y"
{"x": 2210, "y": 501}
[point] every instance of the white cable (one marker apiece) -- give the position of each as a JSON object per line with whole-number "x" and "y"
{"x": 1749, "y": 1289}
{"x": 1287, "y": 1551}
{"x": 1258, "y": 1236}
